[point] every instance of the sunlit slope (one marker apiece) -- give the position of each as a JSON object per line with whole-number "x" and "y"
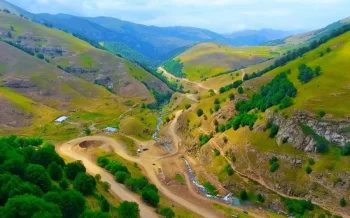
{"x": 80, "y": 58}
{"x": 33, "y": 93}
{"x": 209, "y": 59}
{"x": 330, "y": 91}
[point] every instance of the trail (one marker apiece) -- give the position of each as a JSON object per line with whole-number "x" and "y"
{"x": 167, "y": 74}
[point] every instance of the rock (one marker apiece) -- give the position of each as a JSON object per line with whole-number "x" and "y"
{"x": 290, "y": 130}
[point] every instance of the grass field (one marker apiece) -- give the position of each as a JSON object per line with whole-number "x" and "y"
{"x": 209, "y": 59}
{"x": 329, "y": 91}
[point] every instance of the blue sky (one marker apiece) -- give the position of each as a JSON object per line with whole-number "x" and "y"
{"x": 222, "y": 16}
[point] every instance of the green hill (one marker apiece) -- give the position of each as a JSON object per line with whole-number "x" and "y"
{"x": 206, "y": 60}
{"x": 80, "y": 58}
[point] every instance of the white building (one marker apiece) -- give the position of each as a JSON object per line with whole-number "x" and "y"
{"x": 61, "y": 119}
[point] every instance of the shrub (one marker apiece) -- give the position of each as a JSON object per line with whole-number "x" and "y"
{"x": 217, "y": 107}
{"x": 260, "y": 198}
{"x": 346, "y": 150}
{"x": 203, "y": 139}
{"x": 311, "y": 161}
{"x": 128, "y": 210}
{"x": 216, "y": 152}
{"x": 308, "y": 170}
{"x": 167, "y": 212}
{"x": 121, "y": 176}
{"x": 243, "y": 195}
{"x": 102, "y": 161}
{"x": 274, "y": 167}
{"x": 40, "y": 56}
{"x": 240, "y": 90}
{"x": 200, "y": 112}
{"x": 274, "y": 131}
{"x": 72, "y": 169}
{"x": 229, "y": 170}
{"x": 321, "y": 114}
{"x": 342, "y": 202}
{"x": 85, "y": 184}
{"x": 298, "y": 207}
{"x": 151, "y": 197}
{"x": 187, "y": 106}
{"x": 273, "y": 159}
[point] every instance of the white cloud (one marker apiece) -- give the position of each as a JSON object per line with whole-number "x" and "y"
{"x": 217, "y": 15}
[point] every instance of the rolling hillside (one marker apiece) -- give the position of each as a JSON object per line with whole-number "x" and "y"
{"x": 206, "y": 60}
{"x": 293, "y": 149}
{"x": 310, "y": 36}
{"x": 80, "y": 58}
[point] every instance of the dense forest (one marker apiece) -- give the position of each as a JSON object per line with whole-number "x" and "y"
{"x": 35, "y": 182}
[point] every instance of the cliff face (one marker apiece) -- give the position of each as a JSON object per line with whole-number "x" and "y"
{"x": 290, "y": 130}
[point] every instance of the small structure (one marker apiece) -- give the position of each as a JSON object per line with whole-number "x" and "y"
{"x": 111, "y": 130}
{"x": 61, "y": 119}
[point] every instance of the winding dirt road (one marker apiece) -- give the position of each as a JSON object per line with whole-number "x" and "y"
{"x": 169, "y": 75}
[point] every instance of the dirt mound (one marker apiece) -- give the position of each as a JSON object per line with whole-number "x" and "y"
{"x": 91, "y": 144}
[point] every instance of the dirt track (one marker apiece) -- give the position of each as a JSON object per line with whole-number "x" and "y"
{"x": 198, "y": 203}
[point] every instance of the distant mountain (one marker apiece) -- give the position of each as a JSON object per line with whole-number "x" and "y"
{"x": 257, "y": 37}
{"x": 151, "y": 42}
{"x": 310, "y": 36}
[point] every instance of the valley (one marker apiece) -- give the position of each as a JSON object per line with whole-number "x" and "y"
{"x": 171, "y": 121}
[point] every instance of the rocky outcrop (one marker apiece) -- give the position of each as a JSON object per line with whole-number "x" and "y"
{"x": 290, "y": 130}
{"x": 80, "y": 70}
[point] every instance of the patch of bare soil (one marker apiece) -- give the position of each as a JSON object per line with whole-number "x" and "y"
{"x": 92, "y": 143}
{"x": 12, "y": 116}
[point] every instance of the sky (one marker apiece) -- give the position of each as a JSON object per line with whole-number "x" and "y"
{"x": 221, "y": 16}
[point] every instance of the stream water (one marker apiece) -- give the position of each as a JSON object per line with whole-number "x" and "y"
{"x": 155, "y": 137}
{"x": 229, "y": 199}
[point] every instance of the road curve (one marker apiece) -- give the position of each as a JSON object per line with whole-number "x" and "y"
{"x": 116, "y": 189}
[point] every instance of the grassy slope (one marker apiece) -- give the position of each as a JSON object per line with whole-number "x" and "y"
{"x": 51, "y": 93}
{"x": 208, "y": 59}
{"x": 330, "y": 91}
{"x": 83, "y": 55}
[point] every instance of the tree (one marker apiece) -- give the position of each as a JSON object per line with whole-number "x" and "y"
{"x": 40, "y": 56}
{"x": 321, "y": 114}
{"x": 243, "y": 195}
{"x": 72, "y": 169}
{"x": 260, "y": 198}
{"x": 46, "y": 155}
{"x": 85, "y": 184}
{"x": 346, "y": 150}
{"x": 96, "y": 214}
{"x": 274, "y": 131}
{"x": 121, "y": 176}
{"x": 87, "y": 131}
{"x": 72, "y": 204}
{"x": 27, "y": 206}
{"x": 308, "y": 170}
{"x": 102, "y": 161}
{"x": 53, "y": 197}
{"x": 104, "y": 204}
{"x": 187, "y": 106}
{"x": 37, "y": 175}
{"x": 342, "y": 202}
{"x": 128, "y": 210}
{"x": 167, "y": 212}
{"x": 240, "y": 90}
{"x": 106, "y": 186}
{"x": 64, "y": 184}
{"x": 151, "y": 197}
{"x": 55, "y": 171}
{"x": 246, "y": 77}
{"x": 232, "y": 97}
{"x": 200, "y": 112}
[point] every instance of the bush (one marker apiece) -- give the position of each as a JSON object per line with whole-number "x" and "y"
{"x": 240, "y": 90}
{"x": 274, "y": 130}
{"x": 200, "y": 112}
{"x": 232, "y": 97}
{"x": 151, "y": 197}
{"x": 104, "y": 204}
{"x": 346, "y": 150}
{"x": 286, "y": 102}
{"x": 229, "y": 170}
{"x": 321, "y": 114}
{"x": 55, "y": 171}
{"x": 128, "y": 210}
{"x": 102, "y": 161}
{"x": 72, "y": 169}
{"x": 121, "y": 176}
{"x": 40, "y": 56}
{"x": 243, "y": 195}
{"x": 203, "y": 139}
{"x": 217, "y": 107}
{"x": 273, "y": 159}
{"x": 307, "y": 73}
{"x": 342, "y": 202}
{"x": 187, "y": 106}
{"x": 85, "y": 184}
{"x": 216, "y": 152}
{"x": 167, "y": 212}
{"x": 308, "y": 170}
{"x": 274, "y": 167}
{"x": 260, "y": 198}
{"x": 298, "y": 207}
